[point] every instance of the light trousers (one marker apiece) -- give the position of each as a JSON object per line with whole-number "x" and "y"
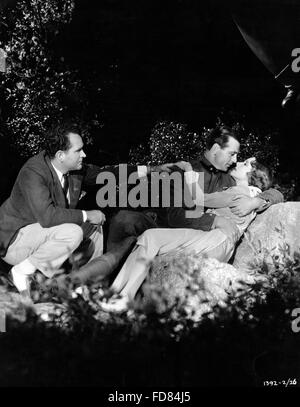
{"x": 48, "y": 248}
{"x": 153, "y": 242}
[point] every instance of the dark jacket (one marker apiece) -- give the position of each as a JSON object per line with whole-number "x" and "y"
{"x": 214, "y": 181}
{"x": 37, "y": 197}
{"x": 133, "y": 223}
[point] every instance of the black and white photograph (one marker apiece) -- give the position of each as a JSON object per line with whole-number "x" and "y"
{"x": 150, "y": 196}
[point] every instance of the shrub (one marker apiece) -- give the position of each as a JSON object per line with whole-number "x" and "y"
{"x": 36, "y": 86}
{"x": 170, "y": 141}
{"x": 245, "y": 342}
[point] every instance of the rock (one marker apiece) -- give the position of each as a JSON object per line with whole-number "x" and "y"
{"x": 274, "y": 234}
{"x": 273, "y": 230}
{"x": 197, "y": 282}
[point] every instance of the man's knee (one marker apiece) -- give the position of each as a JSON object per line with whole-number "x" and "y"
{"x": 122, "y": 218}
{"x": 76, "y": 233}
{"x": 72, "y": 233}
{"x": 125, "y": 223}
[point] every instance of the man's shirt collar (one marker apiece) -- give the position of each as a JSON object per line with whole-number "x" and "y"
{"x": 208, "y": 165}
{"x": 59, "y": 174}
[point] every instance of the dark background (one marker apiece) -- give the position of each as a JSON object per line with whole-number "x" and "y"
{"x": 182, "y": 60}
{"x": 142, "y": 61}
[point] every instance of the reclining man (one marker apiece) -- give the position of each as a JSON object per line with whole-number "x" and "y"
{"x": 220, "y": 155}
{"x": 40, "y": 226}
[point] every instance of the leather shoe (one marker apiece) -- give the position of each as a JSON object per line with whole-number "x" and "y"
{"x": 101, "y": 267}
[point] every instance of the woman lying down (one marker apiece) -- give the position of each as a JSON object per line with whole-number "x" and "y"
{"x": 251, "y": 179}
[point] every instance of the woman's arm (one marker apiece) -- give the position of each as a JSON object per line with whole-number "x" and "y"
{"x": 221, "y": 199}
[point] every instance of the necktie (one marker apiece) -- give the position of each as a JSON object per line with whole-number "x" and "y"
{"x": 66, "y": 187}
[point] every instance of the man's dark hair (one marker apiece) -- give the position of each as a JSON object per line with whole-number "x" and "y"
{"x": 56, "y": 138}
{"x": 260, "y": 177}
{"x": 220, "y": 135}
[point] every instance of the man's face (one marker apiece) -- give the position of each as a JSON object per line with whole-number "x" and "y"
{"x": 225, "y": 157}
{"x": 242, "y": 169}
{"x": 72, "y": 158}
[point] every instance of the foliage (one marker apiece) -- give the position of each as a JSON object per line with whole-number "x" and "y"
{"x": 171, "y": 141}
{"x": 245, "y": 341}
{"x": 36, "y": 86}
{"x": 288, "y": 186}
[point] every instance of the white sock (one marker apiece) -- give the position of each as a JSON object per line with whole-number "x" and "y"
{"x": 20, "y": 273}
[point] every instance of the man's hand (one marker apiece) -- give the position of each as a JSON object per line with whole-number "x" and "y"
{"x": 184, "y": 165}
{"x": 159, "y": 168}
{"x": 228, "y": 227}
{"x": 242, "y": 205}
{"x": 95, "y": 217}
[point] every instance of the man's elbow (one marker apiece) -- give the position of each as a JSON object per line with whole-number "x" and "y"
{"x": 45, "y": 224}
{"x": 273, "y": 196}
{"x": 280, "y": 198}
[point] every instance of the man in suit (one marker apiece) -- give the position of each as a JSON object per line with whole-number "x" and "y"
{"x": 40, "y": 226}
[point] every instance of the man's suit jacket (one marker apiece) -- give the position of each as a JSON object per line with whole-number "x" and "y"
{"x": 37, "y": 197}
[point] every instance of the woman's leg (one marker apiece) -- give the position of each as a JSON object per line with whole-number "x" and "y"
{"x": 136, "y": 267}
{"x": 161, "y": 241}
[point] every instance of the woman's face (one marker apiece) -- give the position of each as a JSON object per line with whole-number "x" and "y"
{"x": 240, "y": 172}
